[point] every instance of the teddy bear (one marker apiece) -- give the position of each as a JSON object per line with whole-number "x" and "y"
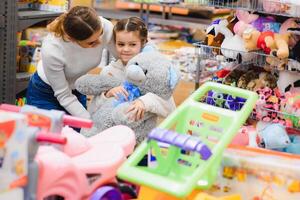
{"x": 270, "y": 42}
{"x": 146, "y": 72}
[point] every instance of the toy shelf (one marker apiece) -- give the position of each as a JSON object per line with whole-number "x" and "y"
{"x": 30, "y": 17}
{"x": 234, "y": 57}
{"x": 291, "y": 8}
{"x": 173, "y": 7}
{"x": 119, "y": 9}
{"x": 274, "y": 115}
{"x": 291, "y": 121}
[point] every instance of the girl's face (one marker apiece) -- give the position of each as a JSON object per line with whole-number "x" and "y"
{"x": 128, "y": 44}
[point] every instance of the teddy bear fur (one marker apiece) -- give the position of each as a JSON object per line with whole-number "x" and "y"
{"x": 150, "y": 72}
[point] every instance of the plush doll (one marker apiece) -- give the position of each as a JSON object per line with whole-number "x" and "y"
{"x": 232, "y": 46}
{"x": 267, "y": 41}
{"x": 294, "y": 147}
{"x": 147, "y": 71}
{"x": 272, "y": 136}
{"x": 215, "y": 39}
{"x": 291, "y": 25}
{"x": 247, "y": 20}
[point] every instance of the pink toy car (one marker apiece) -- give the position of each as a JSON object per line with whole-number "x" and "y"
{"x": 80, "y": 168}
{"x": 84, "y": 164}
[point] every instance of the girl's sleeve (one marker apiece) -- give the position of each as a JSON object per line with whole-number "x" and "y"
{"x": 53, "y": 65}
{"x": 158, "y": 105}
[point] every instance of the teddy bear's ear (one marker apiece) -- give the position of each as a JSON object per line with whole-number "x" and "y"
{"x": 149, "y": 48}
{"x": 173, "y": 77}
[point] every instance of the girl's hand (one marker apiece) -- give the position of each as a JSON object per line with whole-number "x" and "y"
{"x": 138, "y": 110}
{"x": 116, "y": 92}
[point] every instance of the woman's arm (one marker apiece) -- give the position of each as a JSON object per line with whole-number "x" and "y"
{"x": 53, "y": 65}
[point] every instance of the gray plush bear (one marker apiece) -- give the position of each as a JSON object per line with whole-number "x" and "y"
{"x": 150, "y": 72}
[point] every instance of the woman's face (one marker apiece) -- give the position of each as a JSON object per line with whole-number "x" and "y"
{"x": 128, "y": 44}
{"x": 92, "y": 41}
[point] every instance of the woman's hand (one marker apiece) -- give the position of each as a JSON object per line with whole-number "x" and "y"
{"x": 137, "y": 108}
{"x": 116, "y": 92}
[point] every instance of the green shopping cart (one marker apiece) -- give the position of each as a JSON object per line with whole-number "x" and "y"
{"x": 188, "y": 145}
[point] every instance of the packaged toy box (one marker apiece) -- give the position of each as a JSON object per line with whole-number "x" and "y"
{"x": 258, "y": 174}
{"x": 47, "y": 5}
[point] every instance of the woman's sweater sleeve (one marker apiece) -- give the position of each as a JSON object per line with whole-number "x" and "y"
{"x": 53, "y": 64}
{"x": 158, "y": 105}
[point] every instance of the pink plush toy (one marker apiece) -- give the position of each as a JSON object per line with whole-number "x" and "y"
{"x": 290, "y": 23}
{"x": 245, "y": 18}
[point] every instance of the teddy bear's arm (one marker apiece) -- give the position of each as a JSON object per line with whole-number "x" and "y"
{"x": 158, "y": 105}
{"x": 92, "y": 84}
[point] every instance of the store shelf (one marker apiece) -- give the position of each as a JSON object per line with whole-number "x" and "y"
{"x": 198, "y": 5}
{"x": 109, "y": 10}
{"x": 218, "y": 54}
{"x": 7, "y": 51}
{"x": 2, "y": 8}
{"x": 28, "y": 18}
{"x": 267, "y": 6}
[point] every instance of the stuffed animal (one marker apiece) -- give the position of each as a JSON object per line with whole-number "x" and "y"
{"x": 294, "y": 147}
{"x": 246, "y": 78}
{"x": 149, "y": 72}
{"x": 264, "y": 80}
{"x": 232, "y": 46}
{"x": 267, "y": 41}
{"x": 245, "y": 20}
{"x": 215, "y": 39}
{"x": 289, "y": 26}
{"x": 272, "y": 136}
{"x": 248, "y": 20}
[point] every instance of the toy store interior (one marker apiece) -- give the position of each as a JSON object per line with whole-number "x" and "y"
{"x": 207, "y": 105}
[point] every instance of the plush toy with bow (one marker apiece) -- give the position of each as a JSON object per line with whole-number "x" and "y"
{"x": 147, "y": 72}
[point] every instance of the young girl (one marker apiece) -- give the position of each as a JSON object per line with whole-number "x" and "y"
{"x": 130, "y": 36}
{"x": 73, "y": 47}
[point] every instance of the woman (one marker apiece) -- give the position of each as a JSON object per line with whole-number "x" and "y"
{"x": 73, "y": 47}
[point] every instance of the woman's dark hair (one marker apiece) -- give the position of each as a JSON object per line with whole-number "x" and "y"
{"x": 79, "y": 23}
{"x": 132, "y": 24}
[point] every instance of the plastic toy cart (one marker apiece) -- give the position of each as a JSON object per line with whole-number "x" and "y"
{"x": 188, "y": 145}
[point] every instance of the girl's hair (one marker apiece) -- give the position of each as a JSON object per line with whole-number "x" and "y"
{"x": 132, "y": 24}
{"x": 79, "y": 23}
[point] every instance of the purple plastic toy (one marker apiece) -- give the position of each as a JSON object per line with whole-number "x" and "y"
{"x": 183, "y": 141}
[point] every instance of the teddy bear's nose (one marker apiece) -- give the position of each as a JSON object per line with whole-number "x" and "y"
{"x": 135, "y": 73}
